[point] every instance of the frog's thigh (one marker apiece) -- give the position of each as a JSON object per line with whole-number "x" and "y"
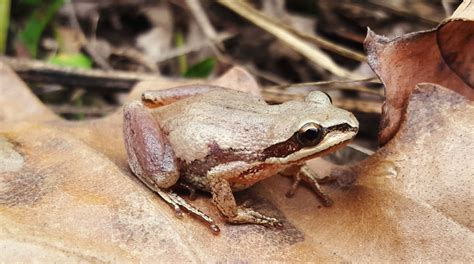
{"x": 158, "y": 98}
{"x": 150, "y": 155}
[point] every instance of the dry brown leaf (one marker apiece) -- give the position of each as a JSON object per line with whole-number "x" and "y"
{"x": 26, "y": 106}
{"x": 430, "y": 158}
{"x": 443, "y": 56}
{"x": 68, "y": 194}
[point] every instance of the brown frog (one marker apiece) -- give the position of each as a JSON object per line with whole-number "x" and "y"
{"x": 221, "y": 141}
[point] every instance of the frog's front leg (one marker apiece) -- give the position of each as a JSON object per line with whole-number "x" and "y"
{"x": 303, "y": 173}
{"x": 152, "y": 159}
{"x": 224, "y": 199}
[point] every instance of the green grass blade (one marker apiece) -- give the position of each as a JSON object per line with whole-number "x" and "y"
{"x": 4, "y": 21}
{"x": 36, "y": 23}
{"x": 201, "y": 69}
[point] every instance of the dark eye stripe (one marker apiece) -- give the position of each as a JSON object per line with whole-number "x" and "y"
{"x": 282, "y": 149}
{"x": 292, "y": 144}
{"x": 342, "y": 127}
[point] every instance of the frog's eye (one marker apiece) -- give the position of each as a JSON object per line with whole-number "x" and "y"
{"x": 309, "y": 135}
{"x": 319, "y": 97}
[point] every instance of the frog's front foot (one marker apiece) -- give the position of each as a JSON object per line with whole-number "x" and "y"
{"x": 224, "y": 200}
{"x": 249, "y": 216}
{"x": 308, "y": 176}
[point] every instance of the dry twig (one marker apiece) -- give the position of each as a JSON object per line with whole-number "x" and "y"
{"x": 202, "y": 19}
{"x": 315, "y": 55}
{"x": 37, "y": 71}
{"x": 90, "y": 50}
{"x": 353, "y": 105}
{"x": 88, "y": 110}
{"x": 348, "y": 85}
{"x": 190, "y": 48}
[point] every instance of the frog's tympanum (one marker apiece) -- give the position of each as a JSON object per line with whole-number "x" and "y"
{"x": 221, "y": 141}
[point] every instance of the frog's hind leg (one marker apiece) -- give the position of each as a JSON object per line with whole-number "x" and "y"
{"x": 150, "y": 155}
{"x": 152, "y": 159}
{"x": 177, "y": 200}
{"x": 177, "y": 203}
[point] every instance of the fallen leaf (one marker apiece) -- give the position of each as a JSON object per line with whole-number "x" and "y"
{"x": 68, "y": 195}
{"x": 431, "y": 154}
{"x": 443, "y": 56}
{"x": 17, "y": 103}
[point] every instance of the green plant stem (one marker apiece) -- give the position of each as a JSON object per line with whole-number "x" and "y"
{"x": 36, "y": 23}
{"x": 182, "y": 61}
{"x": 4, "y": 21}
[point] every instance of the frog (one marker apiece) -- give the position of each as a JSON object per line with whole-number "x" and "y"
{"x": 218, "y": 140}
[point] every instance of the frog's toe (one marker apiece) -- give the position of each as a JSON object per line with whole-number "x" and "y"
{"x": 249, "y": 216}
{"x": 294, "y": 186}
{"x": 178, "y": 212}
{"x": 177, "y": 203}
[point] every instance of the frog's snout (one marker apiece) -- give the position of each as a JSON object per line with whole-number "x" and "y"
{"x": 353, "y": 122}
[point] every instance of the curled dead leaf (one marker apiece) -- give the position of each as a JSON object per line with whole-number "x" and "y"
{"x": 431, "y": 154}
{"x": 443, "y": 56}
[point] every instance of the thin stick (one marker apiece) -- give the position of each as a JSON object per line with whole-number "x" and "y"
{"x": 361, "y": 149}
{"x": 369, "y": 79}
{"x": 332, "y": 85}
{"x": 37, "y": 71}
{"x": 4, "y": 21}
{"x": 75, "y": 23}
{"x": 202, "y": 19}
{"x": 187, "y": 49}
{"x": 390, "y": 7}
{"x": 88, "y": 110}
{"x": 354, "y": 105}
{"x": 324, "y": 43}
{"x": 315, "y": 55}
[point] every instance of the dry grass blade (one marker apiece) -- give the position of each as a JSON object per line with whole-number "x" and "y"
{"x": 102, "y": 62}
{"x": 326, "y": 44}
{"x": 40, "y": 72}
{"x": 316, "y": 56}
{"x": 202, "y": 19}
{"x": 347, "y": 85}
{"x": 88, "y": 110}
{"x": 396, "y": 8}
{"x": 464, "y": 10}
{"x": 191, "y": 47}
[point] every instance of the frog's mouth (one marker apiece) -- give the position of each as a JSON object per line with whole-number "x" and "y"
{"x": 290, "y": 151}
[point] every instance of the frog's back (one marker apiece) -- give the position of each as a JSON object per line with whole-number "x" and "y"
{"x": 223, "y": 119}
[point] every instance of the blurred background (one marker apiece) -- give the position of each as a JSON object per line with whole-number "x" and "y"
{"x": 81, "y": 57}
